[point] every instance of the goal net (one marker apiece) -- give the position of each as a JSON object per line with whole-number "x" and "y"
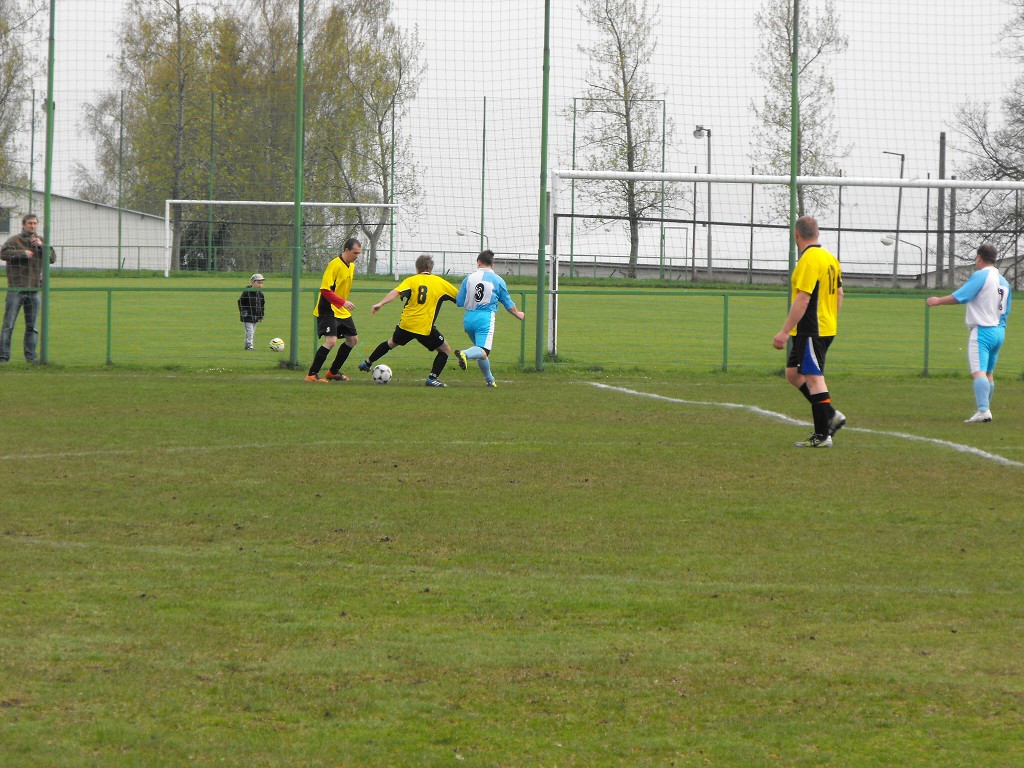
{"x": 887, "y": 233}
{"x": 259, "y": 236}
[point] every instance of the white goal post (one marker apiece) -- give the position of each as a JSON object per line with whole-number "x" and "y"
{"x": 168, "y": 239}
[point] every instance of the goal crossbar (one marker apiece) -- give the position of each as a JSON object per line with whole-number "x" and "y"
{"x": 801, "y": 181}
{"x": 265, "y": 203}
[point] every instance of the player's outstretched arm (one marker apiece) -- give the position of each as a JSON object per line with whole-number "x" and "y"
{"x": 392, "y": 295}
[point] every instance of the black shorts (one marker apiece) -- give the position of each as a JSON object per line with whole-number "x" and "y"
{"x": 807, "y": 354}
{"x": 431, "y": 341}
{"x": 334, "y": 326}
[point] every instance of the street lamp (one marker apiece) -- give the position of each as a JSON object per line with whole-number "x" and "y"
{"x": 462, "y": 232}
{"x": 891, "y": 240}
{"x": 699, "y": 133}
{"x": 899, "y": 208}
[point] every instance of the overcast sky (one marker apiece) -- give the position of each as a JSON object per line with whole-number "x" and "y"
{"x": 908, "y": 66}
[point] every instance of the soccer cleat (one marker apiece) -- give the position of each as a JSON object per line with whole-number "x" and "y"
{"x": 365, "y": 366}
{"x": 981, "y": 417}
{"x": 837, "y": 422}
{"x": 314, "y": 378}
{"x": 816, "y": 441}
{"x": 332, "y": 376}
{"x": 492, "y": 384}
{"x": 249, "y": 348}
{"x": 461, "y": 357}
{"x": 435, "y": 383}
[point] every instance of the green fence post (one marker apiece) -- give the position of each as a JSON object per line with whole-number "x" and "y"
{"x": 522, "y": 333}
{"x": 110, "y": 316}
{"x": 725, "y": 331}
{"x": 927, "y": 332}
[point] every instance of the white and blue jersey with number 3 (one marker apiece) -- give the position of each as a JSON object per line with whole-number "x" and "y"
{"x": 480, "y": 294}
{"x": 987, "y": 296}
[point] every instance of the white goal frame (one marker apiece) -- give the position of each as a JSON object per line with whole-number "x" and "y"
{"x": 267, "y": 203}
{"x": 559, "y": 177}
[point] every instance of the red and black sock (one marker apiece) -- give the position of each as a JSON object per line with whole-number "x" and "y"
{"x": 821, "y": 411}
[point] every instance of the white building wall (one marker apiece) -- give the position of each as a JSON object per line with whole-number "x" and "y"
{"x": 85, "y": 235}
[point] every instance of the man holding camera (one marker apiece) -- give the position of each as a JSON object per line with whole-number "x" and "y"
{"x": 23, "y": 257}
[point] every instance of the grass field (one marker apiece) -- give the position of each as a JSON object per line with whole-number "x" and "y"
{"x": 231, "y": 567}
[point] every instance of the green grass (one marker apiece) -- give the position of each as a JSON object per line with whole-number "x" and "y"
{"x": 237, "y": 568}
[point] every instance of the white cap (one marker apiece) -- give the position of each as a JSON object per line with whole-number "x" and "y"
{"x": 255, "y": 277}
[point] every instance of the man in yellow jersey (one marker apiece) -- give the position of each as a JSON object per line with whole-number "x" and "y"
{"x": 423, "y": 294}
{"x": 333, "y": 312}
{"x": 812, "y": 323}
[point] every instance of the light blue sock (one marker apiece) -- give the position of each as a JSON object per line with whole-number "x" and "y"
{"x": 991, "y": 391}
{"x": 485, "y": 368}
{"x": 474, "y": 353}
{"x": 981, "y": 393}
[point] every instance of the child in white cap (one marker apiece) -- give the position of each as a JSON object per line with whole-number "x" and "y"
{"x": 250, "y": 308}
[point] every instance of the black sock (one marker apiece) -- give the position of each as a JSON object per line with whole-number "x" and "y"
{"x": 340, "y": 358}
{"x": 806, "y": 392}
{"x": 821, "y": 411}
{"x": 440, "y": 361}
{"x": 381, "y": 350}
{"x": 318, "y": 360}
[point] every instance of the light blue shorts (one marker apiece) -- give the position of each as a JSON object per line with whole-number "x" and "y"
{"x": 983, "y": 347}
{"x": 479, "y": 326}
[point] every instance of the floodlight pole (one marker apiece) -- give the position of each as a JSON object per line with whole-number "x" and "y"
{"x": 899, "y": 208}
{"x": 698, "y": 133}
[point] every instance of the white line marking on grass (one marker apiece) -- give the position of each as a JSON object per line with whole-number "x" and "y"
{"x": 170, "y": 449}
{"x": 958, "y": 447}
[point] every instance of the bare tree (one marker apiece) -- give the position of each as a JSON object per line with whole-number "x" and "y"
{"x": 16, "y": 69}
{"x": 818, "y": 148}
{"x": 360, "y": 95}
{"x": 620, "y": 122}
{"x": 995, "y": 154}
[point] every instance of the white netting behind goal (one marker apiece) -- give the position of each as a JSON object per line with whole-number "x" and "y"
{"x": 259, "y": 236}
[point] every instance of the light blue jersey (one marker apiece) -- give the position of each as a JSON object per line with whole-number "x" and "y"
{"x": 987, "y": 296}
{"x": 482, "y": 290}
{"x": 481, "y": 293}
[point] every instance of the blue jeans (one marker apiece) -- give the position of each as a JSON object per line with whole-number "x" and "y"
{"x": 16, "y": 299}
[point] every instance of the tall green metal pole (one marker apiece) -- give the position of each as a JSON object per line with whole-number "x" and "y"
{"x": 542, "y": 234}
{"x": 483, "y": 175}
{"x": 572, "y": 198}
{"x": 391, "y": 211}
{"x": 293, "y": 358}
{"x": 120, "y": 182}
{"x": 44, "y": 353}
{"x": 661, "y": 250}
{"x": 794, "y": 131}
{"x": 210, "y": 258}
{"x": 32, "y": 156}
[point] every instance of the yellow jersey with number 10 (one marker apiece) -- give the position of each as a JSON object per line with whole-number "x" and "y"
{"x": 818, "y": 273}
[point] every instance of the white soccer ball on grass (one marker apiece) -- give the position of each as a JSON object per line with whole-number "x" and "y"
{"x": 381, "y": 374}
{"x": 277, "y": 345}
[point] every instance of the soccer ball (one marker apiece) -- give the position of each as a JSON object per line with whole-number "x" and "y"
{"x": 381, "y": 374}
{"x": 277, "y": 345}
